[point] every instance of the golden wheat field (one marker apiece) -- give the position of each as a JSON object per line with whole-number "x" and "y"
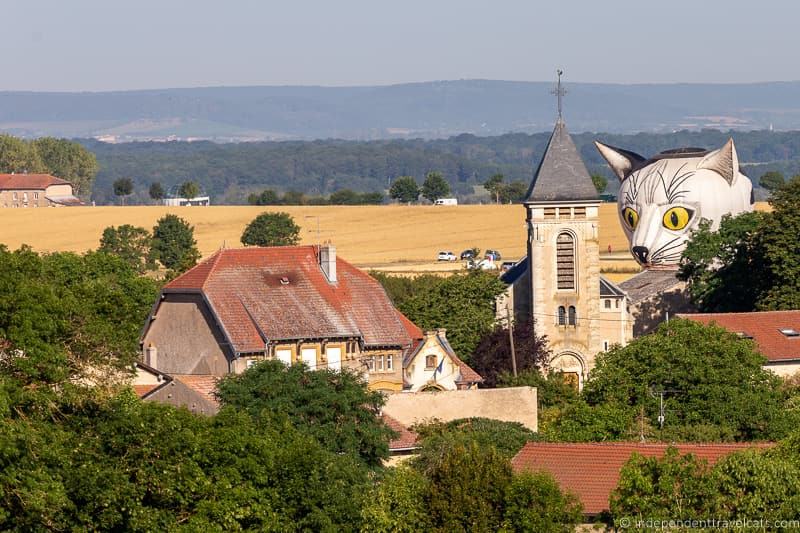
{"x": 399, "y": 238}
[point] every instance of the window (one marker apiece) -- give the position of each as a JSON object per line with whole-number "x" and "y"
{"x": 15, "y": 196}
{"x": 379, "y": 363}
{"x": 36, "y": 196}
{"x": 616, "y": 304}
{"x": 562, "y": 316}
{"x": 572, "y": 318}
{"x": 579, "y": 212}
{"x": 430, "y": 362}
{"x": 25, "y": 197}
{"x": 549, "y": 212}
{"x": 251, "y": 362}
{"x": 607, "y": 304}
{"x": 605, "y": 346}
{"x": 371, "y": 364}
{"x": 565, "y": 261}
{"x": 389, "y": 363}
{"x": 790, "y": 332}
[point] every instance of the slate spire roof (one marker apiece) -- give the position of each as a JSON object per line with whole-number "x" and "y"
{"x": 561, "y": 176}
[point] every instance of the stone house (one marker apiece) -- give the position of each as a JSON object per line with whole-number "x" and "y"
{"x": 291, "y": 303}
{"x": 35, "y": 190}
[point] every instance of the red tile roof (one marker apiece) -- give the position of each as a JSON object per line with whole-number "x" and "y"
{"x": 406, "y": 439}
{"x": 143, "y": 390}
{"x": 591, "y": 471}
{"x": 280, "y": 293}
{"x": 763, "y": 326}
{"x": 29, "y": 181}
{"x": 203, "y": 384}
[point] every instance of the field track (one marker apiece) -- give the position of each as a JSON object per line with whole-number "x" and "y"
{"x": 369, "y": 236}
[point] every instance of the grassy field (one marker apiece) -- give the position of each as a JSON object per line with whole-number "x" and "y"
{"x": 398, "y": 238}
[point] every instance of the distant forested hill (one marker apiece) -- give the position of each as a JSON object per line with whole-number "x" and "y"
{"x": 436, "y": 109}
{"x": 229, "y": 172}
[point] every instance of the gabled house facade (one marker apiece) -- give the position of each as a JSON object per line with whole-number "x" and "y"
{"x": 35, "y": 190}
{"x": 290, "y": 303}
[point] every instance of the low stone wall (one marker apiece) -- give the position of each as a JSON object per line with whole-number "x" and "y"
{"x": 514, "y": 404}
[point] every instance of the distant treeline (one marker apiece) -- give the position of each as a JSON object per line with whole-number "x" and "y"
{"x": 231, "y": 173}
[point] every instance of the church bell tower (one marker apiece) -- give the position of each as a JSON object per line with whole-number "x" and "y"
{"x": 562, "y": 208}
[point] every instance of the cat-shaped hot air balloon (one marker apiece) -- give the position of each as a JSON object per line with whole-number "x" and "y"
{"x": 662, "y": 199}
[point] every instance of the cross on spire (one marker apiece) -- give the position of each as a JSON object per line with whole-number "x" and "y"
{"x": 559, "y": 91}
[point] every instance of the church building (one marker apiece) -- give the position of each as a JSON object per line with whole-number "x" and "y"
{"x": 558, "y": 284}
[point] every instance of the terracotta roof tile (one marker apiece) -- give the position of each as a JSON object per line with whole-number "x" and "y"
{"x": 406, "y": 439}
{"x": 143, "y": 390}
{"x": 204, "y": 384}
{"x": 262, "y": 294}
{"x": 591, "y": 471}
{"x": 764, "y": 327}
{"x": 29, "y": 181}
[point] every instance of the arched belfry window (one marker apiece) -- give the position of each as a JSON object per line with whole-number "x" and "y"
{"x": 572, "y": 316}
{"x": 565, "y": 261}
{"x": 562, "y": 316}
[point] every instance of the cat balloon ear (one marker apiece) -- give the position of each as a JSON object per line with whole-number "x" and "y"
{"x": 724, "y": 162}
{"x": 622, "y": 162}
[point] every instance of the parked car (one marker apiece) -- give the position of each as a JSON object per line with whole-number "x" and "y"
{"x": 446, "y": 256}
{"x": 493, "y": 254}
{"x": 485, "y": 264}
{"x": 446, "y": 201}
{"x": 467, "y": 254}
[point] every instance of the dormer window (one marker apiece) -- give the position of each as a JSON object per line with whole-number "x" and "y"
{"x": 790, "y": 332}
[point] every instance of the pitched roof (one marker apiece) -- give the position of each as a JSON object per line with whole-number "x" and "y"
{"x": 764, "y": 327}
{"x": 280, "y": 293}
{"x": 561, "y": 176}
{"x": 143, "y": 390}
{"x": 29, "y": 181}
{"x": 649, "y": 283}
{"x": 608, "y": 289}
{"x": 203, "y": 384}
{"x": 591, "y": 471}
{"x": 405, "y": 440}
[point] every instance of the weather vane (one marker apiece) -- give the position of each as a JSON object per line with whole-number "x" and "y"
{"x": 559, "y": 91}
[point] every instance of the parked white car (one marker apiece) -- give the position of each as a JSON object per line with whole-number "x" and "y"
{"x": 446, "y": 201}
{"x": 446, "y": 256}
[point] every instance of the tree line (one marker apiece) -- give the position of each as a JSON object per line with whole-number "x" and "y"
{"x": 231, "y": 172}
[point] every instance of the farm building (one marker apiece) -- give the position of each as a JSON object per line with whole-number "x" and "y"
{"x": 35, "y": 190}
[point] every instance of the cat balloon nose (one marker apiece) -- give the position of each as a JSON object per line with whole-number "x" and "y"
{"x": 641, "y": 254}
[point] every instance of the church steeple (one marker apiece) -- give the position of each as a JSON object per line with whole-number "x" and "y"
{"x": 561, "y": 175}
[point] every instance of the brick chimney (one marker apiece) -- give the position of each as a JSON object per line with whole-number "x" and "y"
{"x": 327, "y": 261}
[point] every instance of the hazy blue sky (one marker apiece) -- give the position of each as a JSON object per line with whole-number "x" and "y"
{"x": 127, "y": 44}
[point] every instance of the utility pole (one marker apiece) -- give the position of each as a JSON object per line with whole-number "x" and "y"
{"x": 511, "y": 339}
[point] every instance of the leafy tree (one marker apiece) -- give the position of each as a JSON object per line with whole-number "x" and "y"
{"x": 397, "y": 504}
{"x": 719, "y": 265}
{"x": 372, "y": 198}
{"x": 294, "y": 198}
{"x": 772, "y": 180}
{"x": 266, "y": 197}
{"x": 271, "y": 390}
{"x": 68, "y": 160}
{"x": 462, "y": 303}
{"x": 552, "y": 390}
{"x": 675, "y": 487}
{"x": 271, "y": 229}
{"x": 495, "y": 186}
{"x": 514, "y": 192}
{"x": 781, "y": 251}
{"x": 534, "y": 502}
{"x": 173, "y": 244}
{"x": 712, "y": 376}
{"x": 18, "y": 156}
{"x": 580, "y": 422}
{"x": 129, "y": 243}
{"x": 435, "y": 186}
{"x": 492, "y": 357}
{"x": 156, "y": 191}
{"x": 188, "y": 190}
{"x": 345, "y": 197}
{"x": 404, "y": 189}
{"x": 68, "y": 317}
{"x": 123, "y": 187}
{"x": 600, "y": 183}
{"x": 507, "y": 437}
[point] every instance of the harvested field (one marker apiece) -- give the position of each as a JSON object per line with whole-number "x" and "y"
{"x": 400, "y": 238}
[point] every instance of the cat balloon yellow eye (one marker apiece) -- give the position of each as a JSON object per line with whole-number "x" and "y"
{"x": 631, "y": 217}
{"x": 676, "y": 218}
